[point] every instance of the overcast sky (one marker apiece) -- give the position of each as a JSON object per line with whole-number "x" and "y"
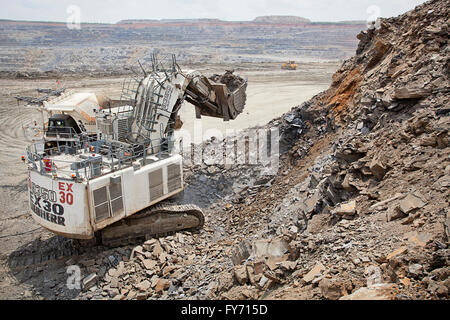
{"x": 112, "y": 11}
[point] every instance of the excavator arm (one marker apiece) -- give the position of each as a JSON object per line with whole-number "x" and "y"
{"x": 161, "y": 93}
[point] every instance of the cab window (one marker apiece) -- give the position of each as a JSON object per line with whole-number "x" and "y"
{"x": 56, "y": 123}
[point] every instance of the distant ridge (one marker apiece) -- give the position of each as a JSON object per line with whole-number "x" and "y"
{"x": 281, "y": 19}
{"x": 144, "y": 21}
{"x": 262, "y": 19}
{"x": 135, "y": 21}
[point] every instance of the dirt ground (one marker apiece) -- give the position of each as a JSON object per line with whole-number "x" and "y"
{"x": 271, "y": 92}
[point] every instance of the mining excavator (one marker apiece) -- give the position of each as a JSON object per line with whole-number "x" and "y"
{"x": 114, "y": 187}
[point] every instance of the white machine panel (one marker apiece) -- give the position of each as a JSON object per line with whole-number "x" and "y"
{"x": 125, "y": 192}
{"x": 59, "y": 205}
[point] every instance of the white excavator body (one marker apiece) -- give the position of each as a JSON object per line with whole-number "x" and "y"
{"x": 78, "y": 207}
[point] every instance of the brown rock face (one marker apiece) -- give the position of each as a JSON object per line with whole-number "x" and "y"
{"x": 240, "y": 273}
{"x": 313, "y": 273}
{"x": 331, "y": 289}
{"x": 161, "y": 285}
{"x": 378, "y": 169}
{"x": 346, "y": 209}
{"x": 410, "y": 203}
{"x": 378, "y": 51}
{"x": 376, "y": 292}
{"x": 410, "y": 93}
{"x": 343, "y": 88}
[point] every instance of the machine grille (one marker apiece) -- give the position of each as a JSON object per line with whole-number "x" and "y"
{"x": 101, "y": 204}
{"x": 115, "y": 194}
{"x": 105, "y": 127}
{"x": 174, "y": 177}
{"x": 122, "y": 128}
{"x": 156, "y": 184}
{"x": 108, "y": 201}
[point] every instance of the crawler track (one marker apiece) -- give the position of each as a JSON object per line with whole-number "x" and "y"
{"x": 159, "y": 220}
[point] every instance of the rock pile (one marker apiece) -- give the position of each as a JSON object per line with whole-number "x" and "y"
{"x": 174, "y": 267}
{"x": 385, "y": 170}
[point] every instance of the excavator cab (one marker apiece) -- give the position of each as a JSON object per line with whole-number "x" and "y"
{"x": 62, "y": 130}
{"x": 62, "y": 126}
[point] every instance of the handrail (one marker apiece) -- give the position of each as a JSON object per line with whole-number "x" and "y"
{"x": 90, "y": 158}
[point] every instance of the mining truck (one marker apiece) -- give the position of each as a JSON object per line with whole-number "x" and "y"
{"x": 113, "y": 188}
{"x": 66, "y": 115}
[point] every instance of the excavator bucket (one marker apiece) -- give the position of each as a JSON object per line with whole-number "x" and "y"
{"x": 220, "y": 96}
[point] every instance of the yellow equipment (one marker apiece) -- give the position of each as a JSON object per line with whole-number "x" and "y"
{"x": 291, "y": 65}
